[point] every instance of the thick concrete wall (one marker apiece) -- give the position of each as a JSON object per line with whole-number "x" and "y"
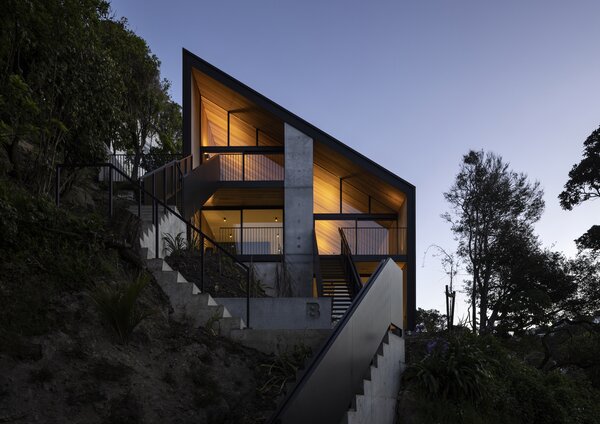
{"x": 282, "y": 313}
{"x": 280, "y": 341}
{"x": 377, "y": 403}
{"x": 168, "y": 224}
{"x": 266, "y": 272}
{"x": 298, "y": 222}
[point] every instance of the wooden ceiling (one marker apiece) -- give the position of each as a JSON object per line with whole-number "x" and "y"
{"x": 358, "y": 177}
{"x": 246, "y": 197}
{"x": 247, "y": 116}
{"x": 228, "y": 100}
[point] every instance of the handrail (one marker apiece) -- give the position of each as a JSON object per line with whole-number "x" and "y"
{"x": 335, "y": 374}
{"x": 317, "y": 265}
{"x": 156, "y": 203}
{"x": 352, "y": 276}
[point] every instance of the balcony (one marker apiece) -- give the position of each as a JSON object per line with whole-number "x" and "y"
{"x": 363, "y": 241}
{"x": 246, "y": 165}
{"x": 251, "y": 240}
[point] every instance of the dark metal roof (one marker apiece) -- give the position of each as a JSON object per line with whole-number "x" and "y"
{"x": 285, "y": 115}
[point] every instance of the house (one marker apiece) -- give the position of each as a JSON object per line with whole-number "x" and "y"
{"x": 284, "y": 196}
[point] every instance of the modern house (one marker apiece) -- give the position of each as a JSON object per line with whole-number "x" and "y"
{"x": 300, "y": 240}
{"x": 276, "y": 191}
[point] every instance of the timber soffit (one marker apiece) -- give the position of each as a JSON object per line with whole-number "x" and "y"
{"x": 190, "y": 59}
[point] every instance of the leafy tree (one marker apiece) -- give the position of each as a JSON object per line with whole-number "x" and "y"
{"x": 530, "y": 286}
{"x": 488, "y": 201}
{"x": 58, "y": 86}
{"x": 430, "y": 319}
{"x": 584, "y": 185}
{"x": 147, "y": 113}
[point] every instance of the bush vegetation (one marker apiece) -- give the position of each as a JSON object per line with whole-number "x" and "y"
{"x": 119, "y": 307}
{"x": 476, "y": 379}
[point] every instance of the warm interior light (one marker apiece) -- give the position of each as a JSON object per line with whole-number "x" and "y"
{"x": 230, "y": 236}
{"x": 275, "y": 219}
{"x": 224, "y": 219}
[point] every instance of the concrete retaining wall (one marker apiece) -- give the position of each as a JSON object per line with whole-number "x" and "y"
{"x": 282, "y": 313}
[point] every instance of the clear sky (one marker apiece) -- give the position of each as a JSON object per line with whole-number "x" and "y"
{"x": 413, "y": 85}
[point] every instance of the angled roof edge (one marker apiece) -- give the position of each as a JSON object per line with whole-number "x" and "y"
{"x": 190, "y": 59}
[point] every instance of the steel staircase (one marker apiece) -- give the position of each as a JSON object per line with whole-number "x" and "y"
{"x": 335, "y": 285}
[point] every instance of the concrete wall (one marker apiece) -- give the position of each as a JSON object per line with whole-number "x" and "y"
{"x": 282, "y": 313}
{"x": 298, "y": 222}
{"x": 377, "y": 403}
{"x": 168, "y": 224}
{"x": 280, "y": 341}
{"x": 266, "y": 272}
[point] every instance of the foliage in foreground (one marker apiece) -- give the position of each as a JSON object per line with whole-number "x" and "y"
{"x": 473, "y": 379}
{"x": 119, "y": 308}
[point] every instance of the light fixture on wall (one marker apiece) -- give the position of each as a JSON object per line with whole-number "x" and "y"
{"x": 224, "y": 219}
{"x": 276, "y": 220}
{"x": 230, "y": 236}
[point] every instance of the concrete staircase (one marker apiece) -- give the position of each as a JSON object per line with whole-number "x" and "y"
{"x": 377, "y": 402}
{"x": 188, "y": 303}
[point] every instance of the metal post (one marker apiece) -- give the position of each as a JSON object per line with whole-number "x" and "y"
{"x": 248, "y": 299}
{"x": 257, "y": 137}
{"x": 57, "y": 186}
{"x": 139, "y": 198}
{"x": 243, "y": 166}
{"x": 165, "y": 188}
{"x": 110, "y": 191}
{"x": 202, "y": 262}
{"x": 242, "y": 232}
{"x": 341, "y": 180}
{"x": 155, "y": 214}
{"x": 228, "y": 127}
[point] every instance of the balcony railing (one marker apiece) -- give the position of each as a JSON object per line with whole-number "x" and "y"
{"x": 376, "y": 241}
{"x": 252, "y": 240}
{"x": 250, "y": 166}
{"x": 125, "y": 163}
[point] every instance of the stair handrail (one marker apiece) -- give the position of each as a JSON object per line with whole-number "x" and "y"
{"x": 317, "y": 265}
{"x": 352, "y": 275}
{"x": 325, "y": 388}
{"x": 156, "y": 202}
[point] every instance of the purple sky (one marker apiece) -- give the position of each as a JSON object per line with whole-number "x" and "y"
{"x": 412, "y": 85}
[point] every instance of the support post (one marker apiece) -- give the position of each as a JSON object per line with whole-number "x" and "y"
{"x": 248, "y": 299}
{"x": 156, "y": 231}
{"x": 110, "y": 191}
{"x": 228, "y": 127}
{"x": 202, "y": 262}
{"x": 140, "y": 182}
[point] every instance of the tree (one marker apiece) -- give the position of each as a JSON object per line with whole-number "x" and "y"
{"x": 430, "y": 319}
{"x": 584, "y": 185}
{"x": 147, "y": 113}
{"x": 56, "y": 81}
{"x": 488, "y": 201}
{"x": 530, "y": 286}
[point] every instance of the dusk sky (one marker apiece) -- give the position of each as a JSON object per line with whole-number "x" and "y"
{"x": 413, "y": 85}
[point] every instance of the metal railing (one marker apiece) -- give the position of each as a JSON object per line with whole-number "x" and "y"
{"x": 335, "y": 374}
{"x": 352, "y": 276}
{"x": 376, "y": 241}
{"x": 250, "y": 166}
{"x": 126, "y": 163}
{"x": 204, "y": 243}
{"x": 252, "y": 240}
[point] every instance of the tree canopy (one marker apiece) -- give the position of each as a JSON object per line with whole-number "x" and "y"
{"x": 489, "y": 203}
{"x": 73, "y": 81}
{"x": 584, "y": 185}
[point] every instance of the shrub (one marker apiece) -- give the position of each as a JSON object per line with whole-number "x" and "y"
{"x": 118, "y": 306}
{"x": 174, "y": 245}
{"x": 454, "y": 369}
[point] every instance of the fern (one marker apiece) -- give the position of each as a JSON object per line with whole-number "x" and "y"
{"x": 118, "y": 306}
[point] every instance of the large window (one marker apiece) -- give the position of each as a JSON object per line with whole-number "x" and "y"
{"x": 246, "y": 232}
